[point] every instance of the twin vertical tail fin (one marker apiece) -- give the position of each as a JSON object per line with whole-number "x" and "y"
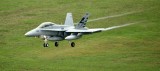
{"x": 83, "y": 21}
{"x": 81, "y": 24}
{"x": 69, "y": 20}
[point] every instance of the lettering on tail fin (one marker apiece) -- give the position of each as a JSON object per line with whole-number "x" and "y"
{"x": 83, "y": 21}
{"x": 69, "y": 20}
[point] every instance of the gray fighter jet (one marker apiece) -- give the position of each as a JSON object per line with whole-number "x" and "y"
{"x": 55, "y": 32}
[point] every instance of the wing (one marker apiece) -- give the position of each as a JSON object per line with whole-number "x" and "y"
{"x": 73, "y": 30}
{"x": 85, "y": 31}
{"x": 96, "y": 29}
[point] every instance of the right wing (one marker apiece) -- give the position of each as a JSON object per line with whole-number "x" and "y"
{"x": 96, "y": 29}
{"x": 85, "y": 30}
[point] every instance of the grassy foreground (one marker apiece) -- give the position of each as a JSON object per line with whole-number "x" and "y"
{"x": 131, "y": 48}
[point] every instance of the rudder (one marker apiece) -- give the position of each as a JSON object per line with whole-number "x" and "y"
{"x": 83, "y": 21}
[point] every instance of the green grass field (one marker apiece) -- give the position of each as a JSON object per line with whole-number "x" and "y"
{"x": 132, "y": 48}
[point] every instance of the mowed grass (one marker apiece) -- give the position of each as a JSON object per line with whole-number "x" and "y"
{"x": 131, "y": 48}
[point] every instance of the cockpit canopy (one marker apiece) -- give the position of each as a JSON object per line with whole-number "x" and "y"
{"x": 45, "y": 24}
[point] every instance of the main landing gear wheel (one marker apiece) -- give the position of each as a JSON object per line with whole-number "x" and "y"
{"x": 45, "y": 45}
{"x": 56, "y": 44}
{"x": 72, "y": 44}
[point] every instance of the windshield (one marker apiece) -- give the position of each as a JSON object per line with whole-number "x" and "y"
{"x": 45, "y": 24}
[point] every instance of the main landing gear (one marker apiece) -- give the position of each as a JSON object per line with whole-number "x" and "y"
{"x": 72, "y": 44}
{"x": 46, "y": 44}
{"x": 56, "y": 43}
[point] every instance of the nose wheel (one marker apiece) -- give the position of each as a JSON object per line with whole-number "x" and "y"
{"x": 45, "y": 45}
{"x": 45, "y": 42}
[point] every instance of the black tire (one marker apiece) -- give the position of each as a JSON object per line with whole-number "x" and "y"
{"x": 56, "y": 44}
{"x": 45, "y": 45}
{"x": 72, "y": 44}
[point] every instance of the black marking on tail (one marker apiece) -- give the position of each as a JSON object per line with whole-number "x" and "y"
{"x": 83, "y": 21}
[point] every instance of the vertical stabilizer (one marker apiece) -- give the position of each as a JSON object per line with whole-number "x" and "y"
{"x": 69, "y": 20}
{"x": 83, "y": 21}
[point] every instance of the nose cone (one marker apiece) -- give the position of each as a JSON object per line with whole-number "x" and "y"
{"x": 30, "y": 33}
{"x": 27, "y": 34}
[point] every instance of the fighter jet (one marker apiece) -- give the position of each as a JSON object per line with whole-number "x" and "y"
{"x": 55, "y": 32}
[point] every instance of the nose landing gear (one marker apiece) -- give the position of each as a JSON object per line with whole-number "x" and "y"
{"x": 45, "y": 42}
{"x": 45, "y": 45}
